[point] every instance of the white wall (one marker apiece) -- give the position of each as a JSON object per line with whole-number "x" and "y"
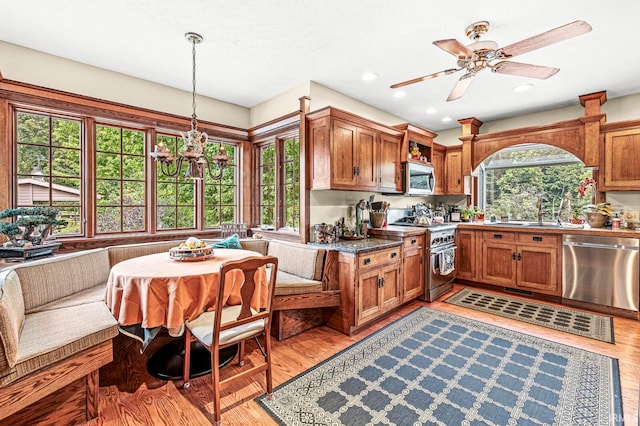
{"x": 42, "y": 69}
{"x": 278, "y": 106}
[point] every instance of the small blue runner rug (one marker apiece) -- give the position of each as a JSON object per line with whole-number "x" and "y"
{"x": 432, "y": 367}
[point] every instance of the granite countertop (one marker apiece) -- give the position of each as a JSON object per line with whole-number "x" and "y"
{"x": 359, "y": 246}
{"x": 511, "y": 226}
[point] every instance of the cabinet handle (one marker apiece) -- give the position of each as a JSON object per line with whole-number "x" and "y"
{"x": 355, "y": 173}
{"x": 519, "y": 256}
{"x": 513, "y": 256}
{"x": 394, "y": 255}
{"x": 536, "y": 238}
{"x": 382, "y": 281}
{"x": 358, "y": 170}
{"x": 413, "y": 241}
{"x": 497, "y": 236}
{"x": 367, "y": 261}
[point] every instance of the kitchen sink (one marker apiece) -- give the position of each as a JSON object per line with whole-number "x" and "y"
{"x": 525, "y": 224}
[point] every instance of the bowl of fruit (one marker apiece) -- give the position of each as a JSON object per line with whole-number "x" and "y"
{"x": 192, "y": 249}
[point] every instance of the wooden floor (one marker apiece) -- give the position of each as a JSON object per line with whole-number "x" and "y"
{"x": 130, "y": 396}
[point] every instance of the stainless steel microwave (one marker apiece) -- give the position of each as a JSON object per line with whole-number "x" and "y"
{"x": 419, "y": 179}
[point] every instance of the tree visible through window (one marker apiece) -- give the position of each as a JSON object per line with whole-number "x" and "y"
{"x": 49, "y": 173}
{"x": 120, "y": 180}
{"x": 220, "y": 195}
{"x": 512, "y": 178}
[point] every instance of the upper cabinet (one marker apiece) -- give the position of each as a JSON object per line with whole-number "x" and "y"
{"x": 437, "y": 159}
{"x": 453, "y": 171}
{"x": 422, "y": 138}
{"x": 621, "y": 162}
{"x": 349, "y": 152}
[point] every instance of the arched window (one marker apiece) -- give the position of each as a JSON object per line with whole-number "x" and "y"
{"x": 511, "y": 179}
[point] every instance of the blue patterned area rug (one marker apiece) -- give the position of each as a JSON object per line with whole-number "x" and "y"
{"x": 432, "y": 367}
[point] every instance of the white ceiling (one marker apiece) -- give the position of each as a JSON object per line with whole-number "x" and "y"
{"x": 257, "y": 49}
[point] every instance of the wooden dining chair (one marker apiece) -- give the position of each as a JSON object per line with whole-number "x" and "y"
{"x": 234, "y": 325}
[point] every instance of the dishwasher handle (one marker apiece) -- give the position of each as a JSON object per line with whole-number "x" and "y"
{"x": 601, "y": 246}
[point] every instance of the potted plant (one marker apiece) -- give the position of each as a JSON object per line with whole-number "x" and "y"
{"x": 597, "y": 214}
{"x": 479, "y": 214}
{"x": 32, "y": 226}
{"x": 467, "y": 214}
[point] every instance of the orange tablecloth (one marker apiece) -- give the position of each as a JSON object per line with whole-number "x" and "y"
{"x": 154, "y": 290}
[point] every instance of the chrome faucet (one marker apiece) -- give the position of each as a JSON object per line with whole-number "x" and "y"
{"x": 539, "y": 205}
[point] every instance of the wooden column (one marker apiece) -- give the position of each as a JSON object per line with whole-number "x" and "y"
{"x": 592, "y": 120}
{"x": 470, "y": 128}
{"x": 305, "y": 215}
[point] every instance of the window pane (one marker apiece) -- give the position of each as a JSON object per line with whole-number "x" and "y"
{"x": 228, "y": 214}
{"x": 220, "y": 195}
{"x": 72, "y": 216}
{"x": 33, "y": 128}
{"x": 66, "y": 162}
{"x": 65, "y": 133}
{"x": 33, "y": 159}
{"x": 108, "y": 192}
{"x": 133, "y": 142}
{"x": 107, "y": 165}
{"x": 166, "y": 218}
{"x": 132, "y": 193}
{"x": 186, "y": 217}
{"x": 108, "y": 139}
{"x": 108, "y": 219}
{"x": 133, "y": 167}
{"x": 166, "y": 193}
{"x": 133, "y": 219}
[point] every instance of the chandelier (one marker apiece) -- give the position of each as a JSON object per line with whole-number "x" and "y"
{"x": 194, "y": 141}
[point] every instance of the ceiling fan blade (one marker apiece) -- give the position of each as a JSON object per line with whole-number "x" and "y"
{"x": 547, "y": 38}
{"x": 460, "y": 87}
{"x": 524, "y": 70}
{"x": 454, "y": 47}
{"x": 426, "y": 77}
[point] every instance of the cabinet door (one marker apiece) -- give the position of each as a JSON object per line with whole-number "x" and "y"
{"x": 537, "y": 269}
{"x": 413, "y": 274}
{"x": 390, "y": 163}
{"x": 622, "y": 160}
{"x": 367, "y": 158}
{"x": 466, "y": 254}
{"x": 390, "y": 286}
{"x": 343, "y": 154}
{"x": 437, "y": 159}
{"x": 368, "y": 294}
{"x": 454, "y": 173}
{"x": 498, "y": 263}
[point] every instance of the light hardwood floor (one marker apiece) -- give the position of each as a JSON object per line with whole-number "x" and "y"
{"x": 130, "y": 396}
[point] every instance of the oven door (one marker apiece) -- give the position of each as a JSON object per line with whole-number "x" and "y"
{"x": 440, "y": 272}
{"x": 419, "y": 179}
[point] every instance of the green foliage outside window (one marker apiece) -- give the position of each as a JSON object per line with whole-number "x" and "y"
{"x": 513, "y": 178}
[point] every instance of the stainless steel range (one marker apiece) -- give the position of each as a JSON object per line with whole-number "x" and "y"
{"x": 440, "y": 255}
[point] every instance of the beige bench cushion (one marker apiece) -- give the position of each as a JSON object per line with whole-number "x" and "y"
{"x": 90, "y": 295}
{"x": 11, "y": 319}
{"x": 128, "y": 251}
{"x": 287, "y": 283}
{"x": 47, "y": 280}
{"x": 50, "y": 336}
{"x": 298, "y": 259}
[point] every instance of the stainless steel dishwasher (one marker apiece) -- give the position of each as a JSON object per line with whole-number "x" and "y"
{"x": 601, "y": 270}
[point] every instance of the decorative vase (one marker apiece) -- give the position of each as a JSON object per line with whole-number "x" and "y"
{"x": 596, "y": 219}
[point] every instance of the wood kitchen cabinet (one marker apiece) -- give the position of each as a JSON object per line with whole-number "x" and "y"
{"x": 453, "y": 171}
{"x": 351, "y": 153}
{"x": 466, "y": 254}
{"x": 621, "y": 160}
{"x": 437, "y": 159}
{"x": 413, "y": 263}
{"x": 525, "y": 261}
{"x": 370, "y": 285}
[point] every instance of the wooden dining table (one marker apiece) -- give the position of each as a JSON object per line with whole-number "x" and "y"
{"x": 148, "y": 293}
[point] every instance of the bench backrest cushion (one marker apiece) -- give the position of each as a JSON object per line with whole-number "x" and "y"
{"x": 128, "y": 251}
{"x": 298, "y": 259}
{"x": 46, "y": 280}
{"x": 11, "y": 318}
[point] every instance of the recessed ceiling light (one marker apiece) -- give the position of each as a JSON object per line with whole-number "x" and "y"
{"x": 446, "y": 119}
{"x": 431, "y": 111}
{"x": 523, "y": 87}
{"x": 399, "y": 94}
{"x": 369, "y": 76}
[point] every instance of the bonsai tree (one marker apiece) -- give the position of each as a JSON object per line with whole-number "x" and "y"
{"x": 34, "y": 225}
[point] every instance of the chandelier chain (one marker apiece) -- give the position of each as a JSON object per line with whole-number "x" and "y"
{"x": 194, "y": 118}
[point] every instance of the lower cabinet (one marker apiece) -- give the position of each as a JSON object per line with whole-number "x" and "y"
{"x": 413, "y": 267}
{"x": 370, "y": 285}
{"x": 524, "y": 261}
{"x": 466, "y": 255}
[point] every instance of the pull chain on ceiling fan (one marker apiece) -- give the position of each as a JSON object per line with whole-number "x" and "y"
{"x": 482, "y": 54}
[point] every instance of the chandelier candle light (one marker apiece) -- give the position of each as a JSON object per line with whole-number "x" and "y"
{"x": 194, "y": 140}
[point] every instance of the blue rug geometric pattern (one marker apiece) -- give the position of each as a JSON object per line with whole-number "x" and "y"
{"x": 432, "y": 367}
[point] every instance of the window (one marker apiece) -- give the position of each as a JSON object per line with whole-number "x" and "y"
{"x": 221, "y": 195}
{"x": 49, "y": 172}
{"x": 175, "y": 196}
{"x": 120, "y": 180}
{"x": 279, "y": 182}
{"x": 511, "y": 179}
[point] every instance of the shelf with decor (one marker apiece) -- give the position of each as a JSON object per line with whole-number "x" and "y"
{"x": 417, "y": 138}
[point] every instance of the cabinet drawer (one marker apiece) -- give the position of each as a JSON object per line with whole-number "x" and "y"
{"x": 375, "y": 258}
{"x": 538, "y": 239}
{"x": 415, "y": 241}
{"x": 498, "y": 236}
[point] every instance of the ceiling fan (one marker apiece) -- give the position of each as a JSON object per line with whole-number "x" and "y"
{"x": 483, "y": 54}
